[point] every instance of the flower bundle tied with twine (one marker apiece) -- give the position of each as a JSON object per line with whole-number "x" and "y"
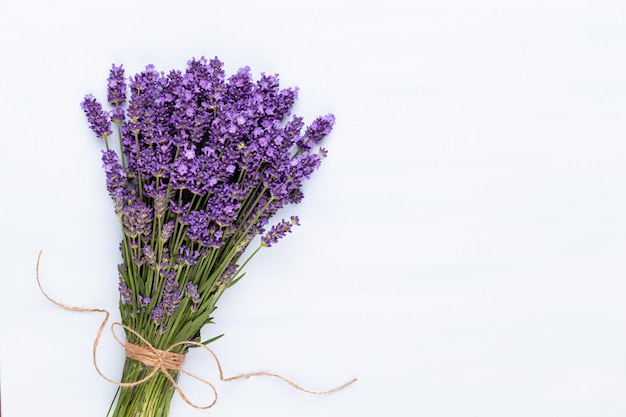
{"x": 203, "y": 164}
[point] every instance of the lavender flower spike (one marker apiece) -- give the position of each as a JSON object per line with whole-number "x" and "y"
{"x": 171, "y": 297}
{"x": 116, "y": 91}
{"x": 278, "y": 231}
{"x": 320, "y": 128}
{"x": 115, "y": 174}
{"x": 191, "y": 291}
{"x": 98, "y": 119}
{"x": 125, "y": 292}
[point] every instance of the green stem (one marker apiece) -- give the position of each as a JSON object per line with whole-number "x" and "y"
{"x": 148, "y": 399}
{"x": 119, "y": 134}
{"x": 140, "y": 186}
{"x": 243, "y": 265}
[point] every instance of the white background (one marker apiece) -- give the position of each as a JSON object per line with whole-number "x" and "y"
{"x": 461, "y": 249}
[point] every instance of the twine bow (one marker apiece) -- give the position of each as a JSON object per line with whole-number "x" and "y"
{"x": 165, "y": 360}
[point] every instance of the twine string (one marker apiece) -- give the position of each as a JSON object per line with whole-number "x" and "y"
{"x": 166, "y": 360}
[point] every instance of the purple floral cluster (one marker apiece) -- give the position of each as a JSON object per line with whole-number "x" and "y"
{"x": 170, "y": 299}
{"x": 278, "y": 231}
{"x": 98, "y": 118}
{"x": 205, "y": 161}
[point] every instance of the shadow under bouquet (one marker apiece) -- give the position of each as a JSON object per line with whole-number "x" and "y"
{"x": 203, "y": 164}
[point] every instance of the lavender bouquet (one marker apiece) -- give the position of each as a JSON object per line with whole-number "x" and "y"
{"x": 204, "y": 163}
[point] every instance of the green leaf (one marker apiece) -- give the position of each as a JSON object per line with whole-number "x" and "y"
{"x": 206, "y": 342}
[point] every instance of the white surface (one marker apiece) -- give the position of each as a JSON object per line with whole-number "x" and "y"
{"x": 461, "y": 249}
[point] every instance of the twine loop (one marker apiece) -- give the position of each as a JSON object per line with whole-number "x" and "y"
{"x": 166, "y": 360}
{"x": 155, "y": 358}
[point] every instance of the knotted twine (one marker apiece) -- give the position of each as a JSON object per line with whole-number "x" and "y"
{"x": 165, "y": 360}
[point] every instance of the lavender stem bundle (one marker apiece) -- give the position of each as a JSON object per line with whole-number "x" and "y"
{"x": 202, "y": 165}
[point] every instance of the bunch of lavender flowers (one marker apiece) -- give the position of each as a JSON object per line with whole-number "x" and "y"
{"x": 202, "y": 165}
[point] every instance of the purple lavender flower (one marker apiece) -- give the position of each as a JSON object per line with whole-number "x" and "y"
{"x": 226, "y": 276}
{"x": 166, "y": 231}
{"x": 143, "y": 301}
{"x": 191, "y": 291}
{"x": 170, "y": 299}
{"x": 197, "y": 226}
{"x": 116, "y": 92}
{"x": 201, "y": 229}
{"x": 125, "y": 292}
{"x": 295, "y": 196}
{"x": 98, "y": 119}
{"x": 163, "y": 266}
{"x": 149, "y": 256}
{"x": 117, "y": 115}
{"x": 158, "y": 314}
{"x": 178, "y": 207}
{"x": 320, "y": 128}
{"x": 115, "y": 174}
{"x": 215, "y": 238}
{"x": 137, "y": 219}
{"x": 278, "y": 231}
{"x": 188, "y": 256}
{"x": 160, "y": 203}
